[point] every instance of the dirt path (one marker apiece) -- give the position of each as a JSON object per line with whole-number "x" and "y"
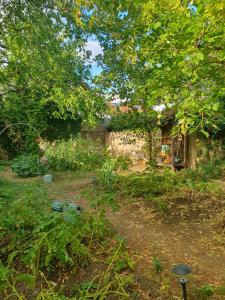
{"x": 180, "y": 243}
{"x": 147, "y": 235}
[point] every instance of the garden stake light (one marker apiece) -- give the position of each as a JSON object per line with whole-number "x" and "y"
{"x": 182, "y": 270}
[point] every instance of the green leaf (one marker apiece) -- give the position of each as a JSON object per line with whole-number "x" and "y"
{"x": 215, "y": 106}
{"x": 26, "y": 278}
{"x": 157, "y": 25}
{"x": 205, "y": 133}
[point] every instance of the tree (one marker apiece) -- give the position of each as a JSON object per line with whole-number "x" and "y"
{"x": 43, "y": 70}
{"x": 163, "y": 52}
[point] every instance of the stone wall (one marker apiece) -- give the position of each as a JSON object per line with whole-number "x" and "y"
{"x": 128, "y": 143}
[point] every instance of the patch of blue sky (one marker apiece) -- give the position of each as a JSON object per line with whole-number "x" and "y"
{"x": 95, "y": 69}
{"x": 192, "y": 7}
{"x": 95, "y": 48}
{"x": 122, "y": 14}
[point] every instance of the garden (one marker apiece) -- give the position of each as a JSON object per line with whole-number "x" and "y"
{"x": 79, "y": 219}
{"x": 133, "y": 228}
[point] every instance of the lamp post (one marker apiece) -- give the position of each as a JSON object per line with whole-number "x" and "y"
{"x": 182, "y": 270}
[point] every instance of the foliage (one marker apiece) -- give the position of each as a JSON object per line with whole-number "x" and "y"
{"x": 165, "y": 190}
{"x": 110, "y": 278}
{"x": 122, "y": 162}
{"x": 149, "y": 184}
{"x": 133, "y": 120}
{"x": 45, "y": 239}
{"x": 28, "y": 165}
{"x": 161, "y": 187}
{"x": 157, "y": 264}
{"x": 207, "y": 290}
{"x": 167, "y": 53}
{"x": 38, "y": 244}
{"x": 213, "y": 169}
{"x": 75, "y": 154}
{"x": 43, "y": 69}
{"x": 106, "y": 174}
{"x": 98, "y": 195}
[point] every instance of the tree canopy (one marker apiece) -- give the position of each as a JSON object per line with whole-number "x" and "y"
{"x": 155, "y": 53}
{"x": 43, "y": 69}
{"x": 168, "y": 53}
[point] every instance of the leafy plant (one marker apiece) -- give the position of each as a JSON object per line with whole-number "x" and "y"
{"x": 28, "y": 165}
{"x": 46, "y": 243}
{"x": 205, "y": 291}
{"x": 51, "y": 78}
{"x": 145, "y": 72}
{"x": 75, "y": 154}
{"x": 106, "y": 174}
{"x": 157, "y": 265}
{"x": 214, "y": 168}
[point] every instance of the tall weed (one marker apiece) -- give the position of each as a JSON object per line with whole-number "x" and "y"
{"x": 106, "y": 174}
{"x": 75, "y": 154}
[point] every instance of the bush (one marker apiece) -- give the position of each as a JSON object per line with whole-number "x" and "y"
{"x": 28, "y": 165}
{"x": 39, "y": 238}
{"x": 75, "y": 154}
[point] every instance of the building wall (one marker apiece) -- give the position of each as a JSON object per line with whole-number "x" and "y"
{"x": 137, "y": 147}
{"x": 201, "y": 149}
{"x": 95, "y": 133}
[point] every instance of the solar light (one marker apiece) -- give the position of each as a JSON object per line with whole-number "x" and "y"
{"x": 182, "y": 270}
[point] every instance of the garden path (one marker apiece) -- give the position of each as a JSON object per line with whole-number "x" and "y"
{"x": 147, "y": 235}
{"x": 191, "y": 242}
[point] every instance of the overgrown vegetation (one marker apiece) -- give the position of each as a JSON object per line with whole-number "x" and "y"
{"x": 75, "y": 154}
{"x": 39, "y": 245}
{"x": 164, "y": 189}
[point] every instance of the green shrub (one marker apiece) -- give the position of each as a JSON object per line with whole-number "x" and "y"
{"x": 206, "y": 291}
{"x": 157, "y": 265}
{"x": 28, "y": 165}
{"x": 75, "y": 154}
{"x": 41, "y": 238}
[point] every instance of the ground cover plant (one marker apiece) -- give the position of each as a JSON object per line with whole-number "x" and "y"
{"x": 28, "y": 165}
{"x": 45, "y": 257}
{"x": 181, "y": 192}
{"x": 41, "y": 250}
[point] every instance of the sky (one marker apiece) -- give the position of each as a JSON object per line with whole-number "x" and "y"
{"x": 93, "y": 46}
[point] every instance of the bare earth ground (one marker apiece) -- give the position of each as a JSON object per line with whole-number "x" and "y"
{"x": 193, "y": 242}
